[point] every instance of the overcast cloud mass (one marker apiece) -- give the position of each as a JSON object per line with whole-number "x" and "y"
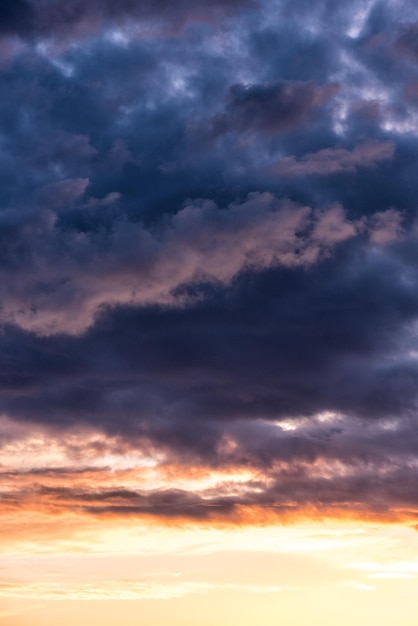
{"x": 209, "y": 254}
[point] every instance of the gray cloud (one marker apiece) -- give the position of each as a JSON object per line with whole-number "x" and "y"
{"x": 271, "y": 108}
{"x": 210, "y": 236}
{"x": 132, "y": 265}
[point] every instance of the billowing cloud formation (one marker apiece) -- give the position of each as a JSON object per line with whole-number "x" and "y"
{"x": 132, "y": 265}
{"x": 208, "y": 259}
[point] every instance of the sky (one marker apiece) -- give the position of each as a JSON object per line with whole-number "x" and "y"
{"x": 208, "y": 312}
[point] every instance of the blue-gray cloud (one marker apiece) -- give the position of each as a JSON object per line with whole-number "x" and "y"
{"x": 208, "y": 227}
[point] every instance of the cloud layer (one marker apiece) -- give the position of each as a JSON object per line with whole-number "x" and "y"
{"x": 208, "y": 257}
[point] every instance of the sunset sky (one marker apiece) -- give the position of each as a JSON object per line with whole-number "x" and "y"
{"x": 208, "y": 312}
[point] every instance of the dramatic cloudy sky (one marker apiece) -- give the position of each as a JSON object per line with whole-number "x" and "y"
{"x": 208, "y": 311}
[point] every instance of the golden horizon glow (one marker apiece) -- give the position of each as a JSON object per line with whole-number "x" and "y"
{"x": 65, "y": 555}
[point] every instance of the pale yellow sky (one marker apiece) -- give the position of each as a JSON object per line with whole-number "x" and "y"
{"x": 320, "y": 574}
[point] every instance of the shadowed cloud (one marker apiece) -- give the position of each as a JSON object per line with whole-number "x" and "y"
{"x": 271, "y": 108}
{"x": 208, "y": 259}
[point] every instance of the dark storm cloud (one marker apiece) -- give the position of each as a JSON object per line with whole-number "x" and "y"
{"x": 271, "y": 347}
{"x": 207, "y": 235}
{"x": 271, "y": 108}
{"x": 51, "y": 18}
{"x": 15, "y": 16}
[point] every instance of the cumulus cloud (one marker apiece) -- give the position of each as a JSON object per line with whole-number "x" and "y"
{"x": 134, "y": 265}
{"x": 62, "y": 193}
{"x": 386, "y": 226}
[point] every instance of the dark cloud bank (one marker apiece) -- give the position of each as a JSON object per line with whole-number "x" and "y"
{"x": 208, "y": 228}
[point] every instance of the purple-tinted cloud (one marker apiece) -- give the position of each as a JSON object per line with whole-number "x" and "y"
{"x": 406, "y": 43}
{"x": 271, "y": 108}
{"x": 171, "y": 284}
{"x": 336, "y": 160}
{"x": 133, "y": 265}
